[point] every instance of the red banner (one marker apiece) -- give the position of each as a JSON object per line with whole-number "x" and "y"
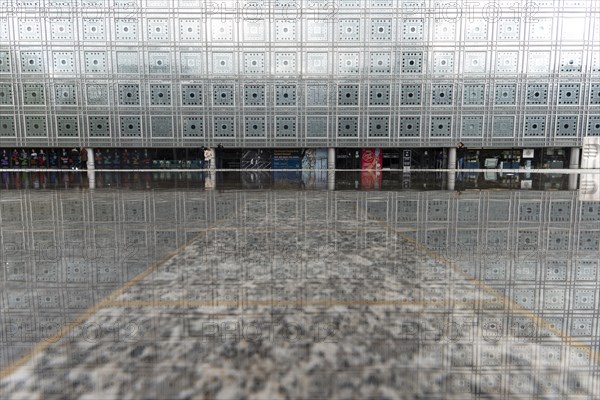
{"x": 371, "y": 159}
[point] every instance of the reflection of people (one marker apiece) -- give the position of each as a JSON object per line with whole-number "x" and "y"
{"x": 207, "y": 157}
{"x": 460, "y": 154}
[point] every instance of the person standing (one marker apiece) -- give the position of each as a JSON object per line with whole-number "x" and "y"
{"x": 461, "y": 152}
{"x": 219, "y": 156}
{"x": 207, "y": 158}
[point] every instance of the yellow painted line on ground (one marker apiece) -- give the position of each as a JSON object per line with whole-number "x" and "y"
{"x": 538, "y": 320}
{"x": 65, "y": 330}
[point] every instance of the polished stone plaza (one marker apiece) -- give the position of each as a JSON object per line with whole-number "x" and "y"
{"x": 166, "y": 287}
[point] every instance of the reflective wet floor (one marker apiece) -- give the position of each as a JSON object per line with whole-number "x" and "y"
{"x": 265, "y": 286}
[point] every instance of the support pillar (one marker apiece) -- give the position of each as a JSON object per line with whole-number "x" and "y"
{"x": 331, "y": 158}
{"x": 451, "y": 180}
{"x": 452, "y": 158}
{"x": 90, "y": 158}
{"x": 91, "y": 175}
{"x": 574, "y": 161}
{"x": 213, "y": 158}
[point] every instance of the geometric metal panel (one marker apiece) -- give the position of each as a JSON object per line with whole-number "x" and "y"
{"x": 285, "y": 126}
{"x": 506, "y": 93}
{"x": 159, "y": 62}
{"x": 535, "y": 126}
{"x": 472, "y": 126}
{"x": 7, "y": 126}
{"x": 95, "y": 61}
{"x": 63, "y": 61}
{"x": 347, "y": 127}
{"x": 191, "y": 95}
{"x": 412, "y": 62}
{"x": 127, "y": 62}
{"x": 316, "y": 126}
{"x": 285, "y": 95}
{"x": 254, "y": 127}
{"x": 379, "y": 126}
{"x": 129, "y": 94}
{"x": 190, "y": 29}
{"x": 160, "y": 95}
{"x": 410, "y": 94}
{"x": 348, "y": 95}
{"x": 67, "y": 126}
{"x": 31, "y": 61}
{"x": 504, "y": 126}
{"x": 441, "y": 94}
{"x": 4, "y": 61}
{"x": 193, "y": 127}
{"x": 224, "y": 126}
{"x": 473, "y": 94}
{"x": 223, "y": 95}
{"x": 566, "y": 125}
{"x": 36, "y": 126}
{"x": 93, "y": 29}
{"x": 537, "y": 93}
{"x": 254, "y": 95}
{"x": 6, "y": 94}
{"x": 379, "y": 63}
{"x": 441, "y": 126}
{"x": 349, "y": 30}
{"x": 595, "y": 93}
{"x": 379, "y": 95}
{"x": 316, "y": 95}
{"x": 99, "y": 126}
{"x": 33, "y": 93}
{"x": 593, "y": 128}
{"x": 131, "y": 126}
{"x": 381, "y": 29}
{"x": 97, "y": 94}
{"x": 412, "y": 29}
{"x": 61, "y": 28}
{"x": 158, "y": 29}
{"x": 568, "y": 93}
{"x": 126, "y": 29}
{"x": 162, "y": 126}
{"x": 65, "y": 94}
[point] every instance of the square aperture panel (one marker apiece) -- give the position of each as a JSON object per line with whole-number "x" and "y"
{"x": 4, "y": 61}
{"x": 129, "y": 94}
{"x": 379, "y": 126}
{"x": 254, "y": 95}
{"x": 566, "y": 125}
{"x": 381, "y": 30}
{"x": 443, "y": 62}
{"x": 131, "y": 126}
{"x": 223, "y": 95}
{"x": 412, "y": 29}
{"x": 255, "y": 126}
{"x": 36, "y": 126}
{"x": 503, "y": 126}
{"x": 61, "y": 28}
{"x": 34, "y": 93}
{"x": 535, "y": 126}
{"x": 191, "y": 62}
{"x": 95, "y": 62}
{"x": 285, "y": 126}
{"x": 160, "y": 94}
{"x": 506, "y": 93}
{"x": 6, "y": 94}
{"x": 412, "y": 62}
{"x": 97, "y": 94}
{"x": 285, "y": 30}
{"x": 595, "y": 93}
{"x": 349, "y": 30}
{"x": 65, "y": 94}
{"x": 94, "y": 29}
{"x": 347, "y": 127}
{"x": 63, "y": 61}
{"x": 316, "y": 126}
{"x": 67, "y": 126}
{"x": 348, "y": 63}
{"x": 285, "y": 95}
{"x": 410, "y": 95}
{"x": 441, "y": 126}
{"x": 159, "y": 62}
{"x": 348, "y": 95}
{"x": 380, "y": 63}
{"x": 379, "y": 95}
{"x": 193, "y": 127}
{"x": 127, "y": 62}
{"x": 441, "y": 94}
{"x": 7, "y": 126}
{"x": 254, "y": 63}
{"x": 158, "y": 29}
{"x": 224, "y": 126}
{"x": 506, "y": 61}
{"x": 126, "y": 29}
{"x": 317, "y": 95}
{"x": 472, "y": 126}
{"x": 190, "y": 29}
{"x": 568, "y": 93}
{"x": 285, "y": 63}
{"x": 99, "y": 126}
{"x": 161, "y": 126}
{"x": 537, "y": 93}
{"x": 191, "y": 95}
{"x": 593, "y": 126}
{"x": 31, "y": 61}
{"x": 410, "y": 126}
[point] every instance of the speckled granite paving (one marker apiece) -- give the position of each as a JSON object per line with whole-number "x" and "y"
{"x": 257, "y": 309}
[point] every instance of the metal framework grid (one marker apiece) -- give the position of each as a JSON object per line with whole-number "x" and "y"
{"x": 299, "y": 73}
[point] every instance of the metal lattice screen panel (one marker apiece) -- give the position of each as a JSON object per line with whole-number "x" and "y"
{"x": 391, "y": 60}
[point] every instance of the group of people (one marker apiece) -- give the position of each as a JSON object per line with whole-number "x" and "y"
{"x": 124, "y": 159}
{"x": 73, "y": 159}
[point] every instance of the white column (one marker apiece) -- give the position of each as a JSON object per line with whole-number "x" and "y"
{"x": 452, "y": 158}
{"x": 331, "y": 158}
{"x": 574, "y": 162}
{"x": 90, "y": 158}
{"x": 213, "y": 161}
{"x": 91, "y": 175}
